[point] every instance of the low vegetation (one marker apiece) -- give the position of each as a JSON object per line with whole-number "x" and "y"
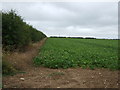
{"x": 16, "y": 36}
{"x": 8, "y": 69}
{"x": 85, "y": 53}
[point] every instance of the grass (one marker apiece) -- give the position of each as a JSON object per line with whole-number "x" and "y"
{"x": 85, "y": 53}
{"x": 8, "y": 69}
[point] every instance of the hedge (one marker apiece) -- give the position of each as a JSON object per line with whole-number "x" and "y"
{"x": 16, "y": 33}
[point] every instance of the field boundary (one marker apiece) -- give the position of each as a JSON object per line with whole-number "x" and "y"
{"x": 23, "y": 60}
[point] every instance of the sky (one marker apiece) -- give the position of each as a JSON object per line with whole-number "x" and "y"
{"x": 76, "y": 19}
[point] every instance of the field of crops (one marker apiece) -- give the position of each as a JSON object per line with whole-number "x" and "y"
{"x": 85, "y": 53}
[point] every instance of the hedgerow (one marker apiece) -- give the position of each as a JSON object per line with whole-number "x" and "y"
{"x": 16, "y": 33}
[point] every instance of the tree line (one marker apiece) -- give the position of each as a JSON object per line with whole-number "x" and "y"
{"x": 16, "y": 33}
{"x": 72, "y": 37}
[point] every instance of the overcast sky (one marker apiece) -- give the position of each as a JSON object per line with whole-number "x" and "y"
{"x": 93, "y": 19}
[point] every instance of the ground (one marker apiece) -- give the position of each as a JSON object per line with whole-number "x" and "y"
{"x": 41, "y": 77}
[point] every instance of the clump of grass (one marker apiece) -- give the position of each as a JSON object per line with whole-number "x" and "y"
{"x": 8, "y": 69}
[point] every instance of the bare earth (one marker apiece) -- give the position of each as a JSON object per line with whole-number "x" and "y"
{"x": 41, "y": 77}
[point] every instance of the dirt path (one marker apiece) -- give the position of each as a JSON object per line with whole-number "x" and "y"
{"x": 41, "y": 77}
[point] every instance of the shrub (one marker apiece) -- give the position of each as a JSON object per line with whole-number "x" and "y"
{"x": 16, "y": 33}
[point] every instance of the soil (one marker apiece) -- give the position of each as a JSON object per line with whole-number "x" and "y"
{"x": 41, "y": 77}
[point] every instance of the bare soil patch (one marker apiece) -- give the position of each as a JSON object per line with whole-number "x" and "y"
{"x": 41, "y": 77}
{"x": 71, "y": 78}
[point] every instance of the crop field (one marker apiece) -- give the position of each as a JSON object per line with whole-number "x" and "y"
{"x": 85, "y": 53}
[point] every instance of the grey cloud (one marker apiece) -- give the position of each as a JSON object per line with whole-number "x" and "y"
{"x": 70, "y": 19}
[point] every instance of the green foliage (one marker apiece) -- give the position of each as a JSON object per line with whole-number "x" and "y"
{"x": 7, "y": 68}
{"x": 85, "y": 53}
{"x": 16, "y": 33}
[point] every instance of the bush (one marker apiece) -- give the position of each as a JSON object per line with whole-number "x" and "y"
{"x": 16, "y": 33}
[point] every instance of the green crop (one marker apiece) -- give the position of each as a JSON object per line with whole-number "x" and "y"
{"x": 85, "y": 53}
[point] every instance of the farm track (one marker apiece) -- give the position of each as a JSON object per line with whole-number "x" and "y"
{"x": 41, "y": 77}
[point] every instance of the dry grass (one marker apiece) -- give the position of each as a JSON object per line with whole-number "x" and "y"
{"x": 23, "y": 60}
